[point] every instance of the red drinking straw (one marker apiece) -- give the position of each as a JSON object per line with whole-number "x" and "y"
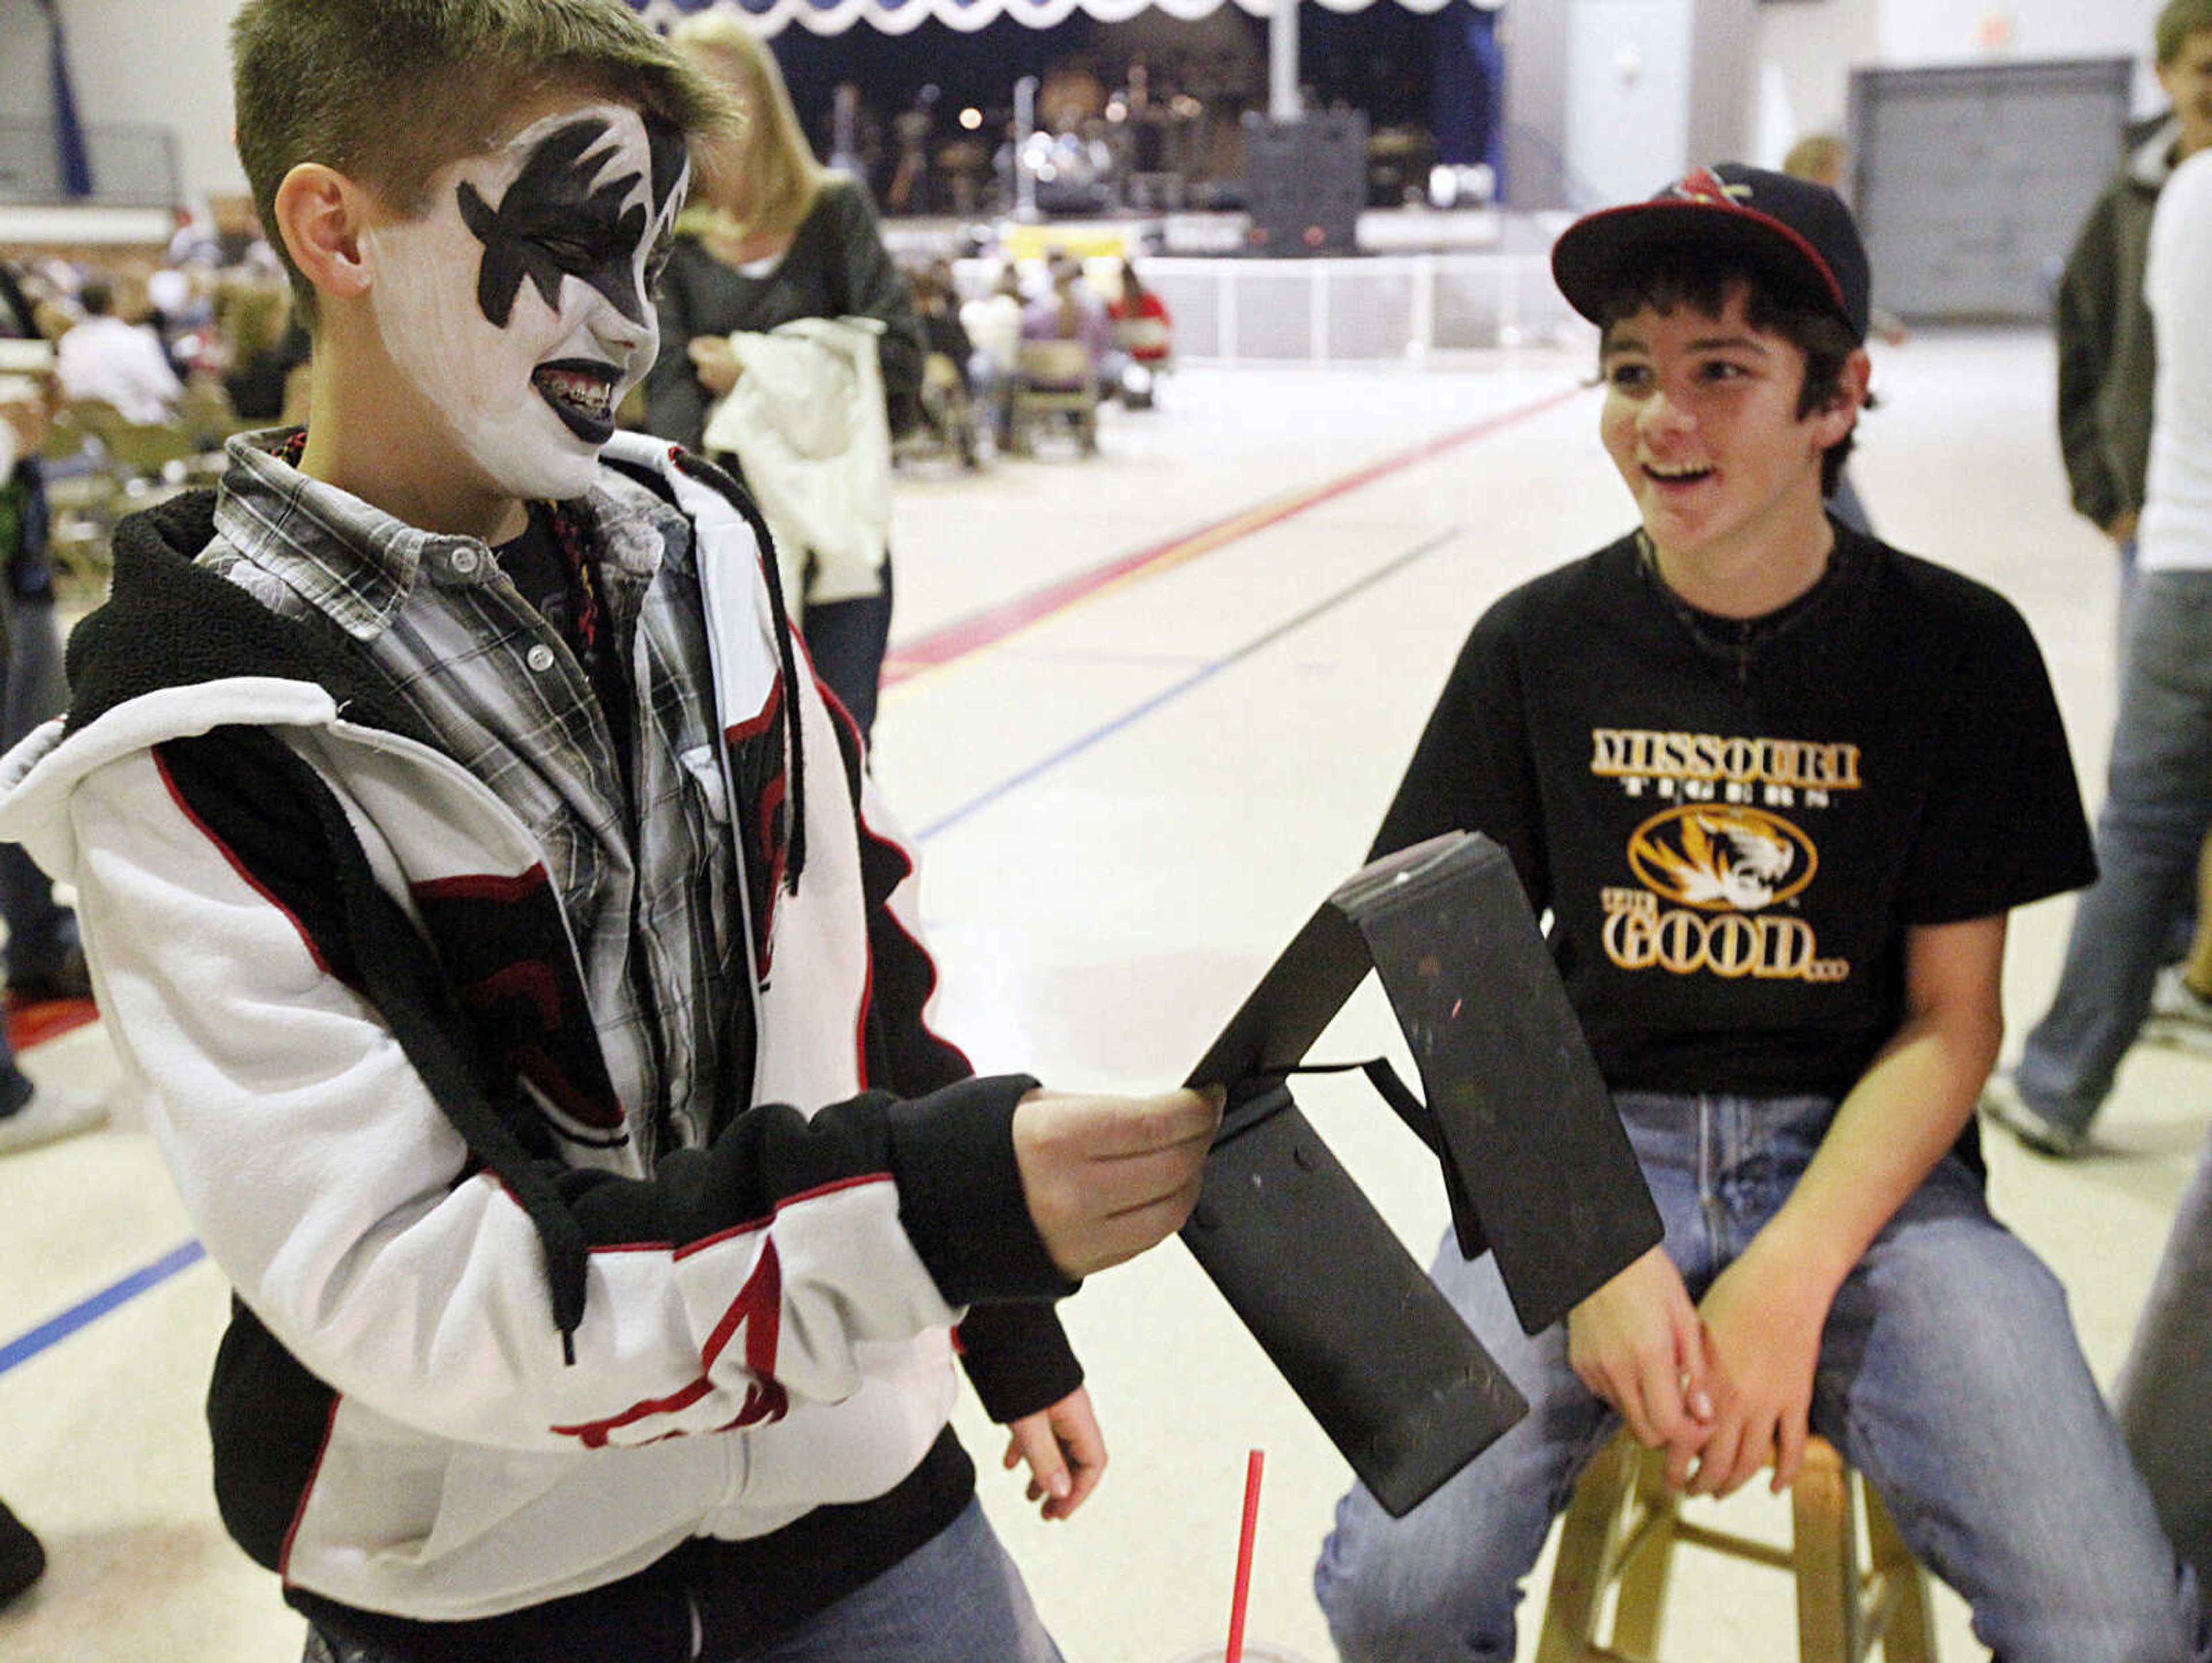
{"x": 1235, "y": 1654}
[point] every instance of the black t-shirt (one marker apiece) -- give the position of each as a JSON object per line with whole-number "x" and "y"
{"x": 1733, "y": 825}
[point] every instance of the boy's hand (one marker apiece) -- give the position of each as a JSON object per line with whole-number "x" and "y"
{"x": 1107, "y": 1177}
{"x": 715, "y": 361}
{"x": 1638, "y": 1343}
{"x": 2123, "y": 525}
{"x": 1065, "y": 1450}
{"x": 1764, "y": 1318}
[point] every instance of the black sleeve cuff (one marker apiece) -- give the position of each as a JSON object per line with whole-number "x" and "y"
{"x": 960, "y": 1193}
{"x": 1018, "y": 1358}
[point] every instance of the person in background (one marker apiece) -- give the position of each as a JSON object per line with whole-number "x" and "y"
{"x": 1137, "y": 304}
{"x": 1145, "y": 334}
{"x": 2108, "y": 359}
{"x": 30, "y": 1114}
{"x": 117, "y": 362}
{"x": 2157, "y": 813}
{"x": 43, "y": 958}
{"x": 22, "y": 1559}
{"x": 1824, "y": 159}
{"x": 2160, "y": 1395}
{"x": 193, "y": 240}
{"x": 948, "y": 393}
{"x": 993, "y": 323}
{"x": 937, "y": 299}
{"x": 2180, "y": 1013}
{"x": 263, "y": 342}
{"x": 1069, "y": 309}
{"x": 2107, "y": 368}
{"x": 772, "y": 238}
{"x": 180, "y": 311}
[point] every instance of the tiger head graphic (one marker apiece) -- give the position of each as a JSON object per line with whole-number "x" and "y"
{"x": 1721, "y": 857}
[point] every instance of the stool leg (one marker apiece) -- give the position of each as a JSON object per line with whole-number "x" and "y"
{"x": 1909, "y": 1635}
{"x": 1827, "y": 1554}
{"x": 1643, "y": 1605}
{"x": 1588, "y": 1534}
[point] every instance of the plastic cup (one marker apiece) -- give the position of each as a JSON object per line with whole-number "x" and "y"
{"x": 1256, "y": 1651}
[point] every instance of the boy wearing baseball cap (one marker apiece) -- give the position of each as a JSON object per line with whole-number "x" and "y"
{"x": 1777, "y": 786}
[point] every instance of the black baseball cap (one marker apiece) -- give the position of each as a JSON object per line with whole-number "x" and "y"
{"x": 1797, "y": 237}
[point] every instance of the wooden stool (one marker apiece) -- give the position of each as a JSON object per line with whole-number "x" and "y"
{"x": 1623, "y": 1525}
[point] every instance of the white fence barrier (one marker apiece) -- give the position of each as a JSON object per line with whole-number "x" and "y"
{"x": 1362, "y": 309}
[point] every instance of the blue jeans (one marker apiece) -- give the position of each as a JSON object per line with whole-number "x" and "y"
{"x": 2159, "y": 1397}
{"x": 846, "y": 641}
{"x": 2158, "y": 807}
{"x": 957, "y": 1599}
{"x": 1948, "y": 1374}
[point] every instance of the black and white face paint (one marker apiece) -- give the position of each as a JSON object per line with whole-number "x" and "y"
{"x": 521, "y": 303}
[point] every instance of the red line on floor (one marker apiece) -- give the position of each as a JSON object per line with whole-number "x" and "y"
{"x": 993, "y": 624}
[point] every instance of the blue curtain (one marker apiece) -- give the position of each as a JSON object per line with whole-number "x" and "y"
{"x": 74, "y": 163}
{"x": 1469, "y": 87}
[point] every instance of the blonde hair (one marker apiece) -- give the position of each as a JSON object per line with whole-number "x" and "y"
{"x": 781, "y": 177}
{"x": 2181, "y": 20}
{"x": 1818, "y": 157}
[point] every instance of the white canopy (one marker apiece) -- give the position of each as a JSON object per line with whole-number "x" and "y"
{"x": 899, "y": 16}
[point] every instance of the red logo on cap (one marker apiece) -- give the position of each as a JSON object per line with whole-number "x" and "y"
{"x": 1706, "y": 185}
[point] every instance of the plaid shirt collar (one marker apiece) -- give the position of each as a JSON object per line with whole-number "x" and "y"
{"x": 357, "y": 564}
{"x": 649, "y": 862}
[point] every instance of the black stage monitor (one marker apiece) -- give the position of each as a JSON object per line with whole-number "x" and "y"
{"x": 1305, "y": 182}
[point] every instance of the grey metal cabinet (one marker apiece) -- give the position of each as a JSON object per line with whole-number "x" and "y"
{"x": 1971, "y": 181}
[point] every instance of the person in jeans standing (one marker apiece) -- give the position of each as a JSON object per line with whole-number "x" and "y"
{"x": 2158, "y": 797}
{"x": 2108, "y": 357}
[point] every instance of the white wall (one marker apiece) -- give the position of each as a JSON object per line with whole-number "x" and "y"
{"x": 164, "y": 62}
{"x": 1915, "y": 32}
{"x": 1806, "y": 52}
{"x": 1807, "y": 48}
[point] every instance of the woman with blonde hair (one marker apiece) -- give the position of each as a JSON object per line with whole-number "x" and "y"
{"x": 773, "y": 238}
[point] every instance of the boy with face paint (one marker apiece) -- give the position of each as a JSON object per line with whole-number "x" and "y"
{"x": 1777, "y": 786}
{"x": 521, "y": 972}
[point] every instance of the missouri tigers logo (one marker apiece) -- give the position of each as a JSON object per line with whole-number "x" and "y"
{"x": 1720, "y": 857}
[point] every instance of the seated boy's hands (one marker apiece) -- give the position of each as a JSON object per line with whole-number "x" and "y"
{"x": 1765, "y": 1318}
{"x": 1638, "y": 1343}
{"x": 1065, "y": 1450}
{"x": 1106, "y": 1178}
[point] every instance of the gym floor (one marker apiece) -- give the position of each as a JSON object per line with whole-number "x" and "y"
{"x": 1146, "y": 710}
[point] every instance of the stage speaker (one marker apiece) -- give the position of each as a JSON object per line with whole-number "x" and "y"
{"x": 1305, "y": 182}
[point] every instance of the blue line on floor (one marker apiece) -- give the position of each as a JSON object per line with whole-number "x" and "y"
{"x": 1205, "y": 672}
{"x": 56, "y": 1329}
